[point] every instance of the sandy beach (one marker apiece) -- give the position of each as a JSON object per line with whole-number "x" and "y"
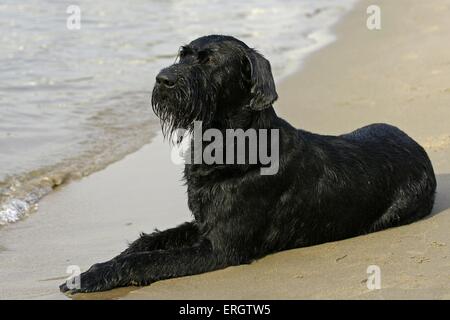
{"x": 398, "y": 75}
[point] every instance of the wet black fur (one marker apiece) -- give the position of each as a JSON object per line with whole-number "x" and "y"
{"x": 327, "y": 188}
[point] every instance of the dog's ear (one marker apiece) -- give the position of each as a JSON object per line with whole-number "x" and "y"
{"x": 263, "y": 92}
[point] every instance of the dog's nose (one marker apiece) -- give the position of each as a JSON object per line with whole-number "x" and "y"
{"x": 166, "y": 79}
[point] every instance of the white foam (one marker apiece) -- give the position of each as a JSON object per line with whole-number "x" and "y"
{"x": 13, "y": 210}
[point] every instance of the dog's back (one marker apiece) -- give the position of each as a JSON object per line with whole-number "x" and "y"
{"x": 415, "y": 195}
{"x": 372, "y": 178}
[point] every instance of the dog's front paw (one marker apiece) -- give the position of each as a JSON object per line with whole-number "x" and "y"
{"x": 100, "y": 277}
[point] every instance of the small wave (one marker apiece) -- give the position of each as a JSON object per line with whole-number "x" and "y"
{"x": 13, "y": 211}
{"x": 20, "y": 193}
{"x": 19, "y": 196}
{"x": 16, "y": 209}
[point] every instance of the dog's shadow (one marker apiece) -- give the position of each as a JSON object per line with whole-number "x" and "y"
{"x": 114, "y": 294}
{"x": 442, "y": 202}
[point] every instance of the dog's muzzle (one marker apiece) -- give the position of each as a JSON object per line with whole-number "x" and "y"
{"x": 166, "y": 79}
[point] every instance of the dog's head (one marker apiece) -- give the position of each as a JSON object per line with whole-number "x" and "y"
{"x": 216, "y": 78}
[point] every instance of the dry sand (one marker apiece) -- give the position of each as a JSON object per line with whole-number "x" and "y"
{"x": 399, "y": 75}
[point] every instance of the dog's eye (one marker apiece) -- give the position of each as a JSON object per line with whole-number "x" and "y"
{"x": 204, "y": 56}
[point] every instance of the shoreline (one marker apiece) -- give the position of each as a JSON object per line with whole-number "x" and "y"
{"x": 90, "y": 220}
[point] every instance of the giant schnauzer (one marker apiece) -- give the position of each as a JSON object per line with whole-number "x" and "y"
{"x": 327, "y": 188}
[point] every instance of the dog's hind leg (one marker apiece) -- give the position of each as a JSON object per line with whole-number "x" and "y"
{"x": 184, "y": 235}
{"x": 143, "y": 268}
{"x": 404, "y": 210}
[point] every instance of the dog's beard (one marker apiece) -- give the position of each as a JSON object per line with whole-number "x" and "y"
{"x": 179, "y": 107}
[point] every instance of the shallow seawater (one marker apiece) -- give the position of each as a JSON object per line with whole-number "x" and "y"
{"x": 74, "y": 101}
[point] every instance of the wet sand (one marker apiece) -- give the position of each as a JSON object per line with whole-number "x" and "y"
{"x": 91, "y": 220}
{"x": 399, "y": 75}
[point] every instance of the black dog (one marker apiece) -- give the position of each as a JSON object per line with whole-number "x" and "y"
{"x": 327, "y": 187}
